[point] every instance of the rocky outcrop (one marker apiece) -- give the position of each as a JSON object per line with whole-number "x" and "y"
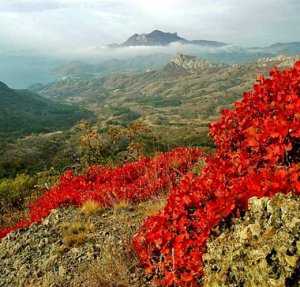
{"x": 191, "y": 64}
{"x": 97, "y": 251}
{"x": 260, "y": 249}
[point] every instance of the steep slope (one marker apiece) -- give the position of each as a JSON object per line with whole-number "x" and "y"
{"x": 23, "y": 112}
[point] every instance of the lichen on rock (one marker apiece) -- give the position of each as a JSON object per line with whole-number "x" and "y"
{"x": 261, "y": 249}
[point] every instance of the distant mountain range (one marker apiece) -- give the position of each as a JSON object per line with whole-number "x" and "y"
{"x": 160, "y": 38}
{"x": 23, "y": 112}
{"x": 291, "y": 48}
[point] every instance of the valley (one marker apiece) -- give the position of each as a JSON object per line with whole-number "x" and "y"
{"x": 183, "y": 97}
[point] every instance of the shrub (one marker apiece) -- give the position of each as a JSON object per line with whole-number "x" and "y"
{"x": 14, "y": 191}
{"x": 258, "y": 154}
{"x": 131, "y": 182}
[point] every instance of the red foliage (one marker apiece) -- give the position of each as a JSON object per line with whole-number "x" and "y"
{"x": 258, "y": 154}
{"x": 133, "y": 182}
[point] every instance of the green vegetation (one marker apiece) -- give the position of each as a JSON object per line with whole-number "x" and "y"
{"x": 14, "y": 191}
{"x": 23, "y": 112}
{"x": 159, "y": 101}
{"x": 38, "y": 153}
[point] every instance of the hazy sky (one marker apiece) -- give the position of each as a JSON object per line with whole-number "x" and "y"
{"x": 65, "y": 25}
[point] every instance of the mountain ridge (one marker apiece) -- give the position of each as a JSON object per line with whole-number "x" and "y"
{"x": 160, "y": 38}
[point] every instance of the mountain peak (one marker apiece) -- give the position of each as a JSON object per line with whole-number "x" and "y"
{"x": 161, "y": 38}
{"x": 159, "y": 32}
{"x": 155, "y": 38}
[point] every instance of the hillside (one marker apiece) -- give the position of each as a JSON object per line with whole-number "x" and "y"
{"x": 23, "y": 112}
{"x": 185, "y": 95}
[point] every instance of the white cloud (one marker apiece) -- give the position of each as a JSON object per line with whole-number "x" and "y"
{"x": 59, "y": 26}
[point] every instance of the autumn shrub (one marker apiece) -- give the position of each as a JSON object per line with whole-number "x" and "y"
{"x": 132, "y": 182}
{"x": 258, "y": 154}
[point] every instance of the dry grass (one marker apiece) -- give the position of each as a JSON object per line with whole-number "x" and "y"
{"x": 115, "y": 266}
{"x": 118, "y": 263}
{"x": 75, "y": 233}
{"x": 90, "y": 207}
{"x": 112, "y": 271}
{"x": 123, "y": 204}
{"x": 152, "y": 207}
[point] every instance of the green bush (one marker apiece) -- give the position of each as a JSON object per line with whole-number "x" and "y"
{"x": 14, "y": 191}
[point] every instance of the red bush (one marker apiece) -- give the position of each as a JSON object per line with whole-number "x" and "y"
{"x": 258, "y": 154}
{"x": 133, "y": 182}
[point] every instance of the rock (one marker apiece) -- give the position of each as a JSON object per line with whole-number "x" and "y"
{"x": 36, "y": 256}
{"x": 261, "y": 249}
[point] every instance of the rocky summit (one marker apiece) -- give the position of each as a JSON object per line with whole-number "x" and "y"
{"x": 160, "y": 38}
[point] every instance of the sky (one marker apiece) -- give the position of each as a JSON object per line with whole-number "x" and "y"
{"x": 65, "y": 26}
